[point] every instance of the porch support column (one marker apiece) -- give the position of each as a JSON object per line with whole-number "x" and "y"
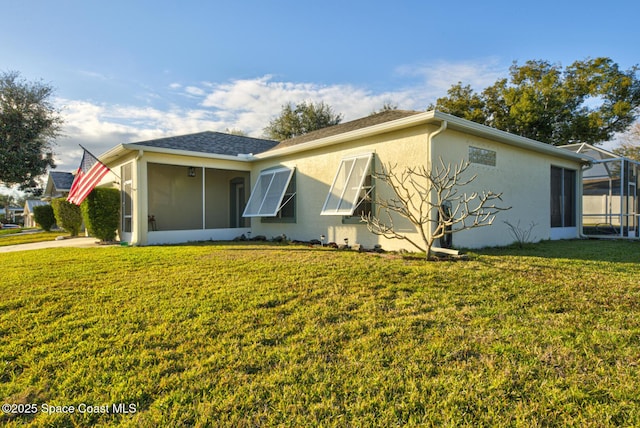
{"x": 141, "y": 202}
{"x": 204, "y": 200}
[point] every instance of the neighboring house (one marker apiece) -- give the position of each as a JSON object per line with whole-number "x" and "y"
{"x": 11, "y": 214}
{"x": 29, "y": 205}
{"x": 198, "y": 187}
{"x": 58, "y": 184}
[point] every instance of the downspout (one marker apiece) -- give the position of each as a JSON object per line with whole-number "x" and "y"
{"x": 443, "y": 127}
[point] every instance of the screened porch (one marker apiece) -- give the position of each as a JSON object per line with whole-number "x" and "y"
{"x": 195, "y": 203}
{"x": 610, "y": 194}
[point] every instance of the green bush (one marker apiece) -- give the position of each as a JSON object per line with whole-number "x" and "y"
{"x": 101, "y": 213}
{"x": 43, "y": 215}
{"x": 68, "y": 215}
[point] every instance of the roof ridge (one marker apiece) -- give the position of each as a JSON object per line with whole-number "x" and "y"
{"x": 352, "y": 125}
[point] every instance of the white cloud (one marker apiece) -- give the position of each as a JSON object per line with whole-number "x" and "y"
{"x": 195, "y": 91}
{"x": 439, "y": 76}
{"x": 249, "y": 105}
{"x": 254, "y": 102}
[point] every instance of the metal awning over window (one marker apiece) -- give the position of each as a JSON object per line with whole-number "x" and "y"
{"x": 268, "y": 192}
{"x": 343, "y": 195}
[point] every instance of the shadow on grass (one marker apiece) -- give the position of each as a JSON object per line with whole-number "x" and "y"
{"x": 611, "y": 250}
{"x": 620, "y": 251}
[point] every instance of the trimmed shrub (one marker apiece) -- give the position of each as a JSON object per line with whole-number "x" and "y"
{"x": 44, "y": 217}
{"x": 68, "y": 215}
{"x": 101, "y": 213}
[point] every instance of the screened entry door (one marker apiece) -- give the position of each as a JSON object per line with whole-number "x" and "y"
{"x": 237, "y": 202}
{"x": 126, "y": 193}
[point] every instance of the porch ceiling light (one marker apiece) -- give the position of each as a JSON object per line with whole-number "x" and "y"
{"x": 191, "y": 172}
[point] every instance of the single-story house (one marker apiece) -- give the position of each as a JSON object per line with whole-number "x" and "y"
{"x": 58, "y": 184}
{"x": 215, "y": 186}
{"x": 29, "y": 205}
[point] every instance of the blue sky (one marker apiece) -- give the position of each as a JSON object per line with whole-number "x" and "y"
{"x": 132, "y": 70}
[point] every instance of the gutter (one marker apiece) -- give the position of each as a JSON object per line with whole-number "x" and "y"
{"x": 121, "y": 149}
{"x": 429, "y": 117}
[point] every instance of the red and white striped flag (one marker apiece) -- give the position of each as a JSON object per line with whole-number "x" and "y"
{"x": 88, "y": 176}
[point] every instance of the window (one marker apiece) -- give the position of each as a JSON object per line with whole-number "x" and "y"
{"x": 345, "y": 192}
{"x": 287, "y": 211}
{"x": 364, "y": 205}
{"x": 563, "y": 197}
{"x": 482, "y": 156}
{"x": 267, "y": 197}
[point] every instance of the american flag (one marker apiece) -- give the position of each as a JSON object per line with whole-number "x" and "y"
{"x": 88, "y": 176}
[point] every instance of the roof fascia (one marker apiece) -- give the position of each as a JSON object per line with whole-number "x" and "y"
{"x": 405, "y": 122}
{"x": 432, "y": 116}
{"x": 484, "y": 131}
{"x": 435, "y": 117}
{"x": 122, "y": 149}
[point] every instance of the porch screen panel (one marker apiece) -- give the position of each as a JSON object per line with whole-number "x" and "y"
{"x": 556, "y": 197}
{"x": 175, "y": 197}
{"x": 569, "y": 202}
{"x": 266, "y": 197}
{"x": 347, "y": 184}
{"x": 563, "y": 197}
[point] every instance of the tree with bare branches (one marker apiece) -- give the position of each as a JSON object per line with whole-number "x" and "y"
{"x": 433, "y": 201}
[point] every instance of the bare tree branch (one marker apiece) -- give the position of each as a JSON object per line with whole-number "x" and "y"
{"x": 432, "y": 201}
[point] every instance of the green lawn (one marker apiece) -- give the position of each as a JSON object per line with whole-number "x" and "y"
{"x": 259, "y": 335}
{"x": 16, "y": 236}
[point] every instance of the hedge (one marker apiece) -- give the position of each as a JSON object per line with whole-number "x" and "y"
{"x": 68, "y": 215}
{"x": 101, "y": 213}
{"x": 44, "y": 216}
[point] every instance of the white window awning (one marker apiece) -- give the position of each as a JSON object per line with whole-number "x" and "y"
{"x": 347, "y": 184}
{"x": 268, "y": 192}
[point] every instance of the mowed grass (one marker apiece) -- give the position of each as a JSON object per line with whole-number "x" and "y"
{"x": 259, "y": 335}
{"x": 17, "y": 236}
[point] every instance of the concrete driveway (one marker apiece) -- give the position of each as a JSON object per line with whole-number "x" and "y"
{"x": 80, "y": 242}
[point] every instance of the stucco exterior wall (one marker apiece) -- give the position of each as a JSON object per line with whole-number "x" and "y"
{"x": 521, "y": 175}
{"x": 523, "y": 178}
{"x": 315, "y": 171}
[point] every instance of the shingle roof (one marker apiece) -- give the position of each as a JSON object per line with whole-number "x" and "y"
{"x": 212, "y": 142}
{"x": 374, "y": 119}
{"x": 61, "y": 180}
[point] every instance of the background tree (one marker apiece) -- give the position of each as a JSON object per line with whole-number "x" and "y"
{"x": 387, "y": 106}
{"x": 432, "y": 201}
{"x": 301, "y": 119}
{"x": 234, "y": 131}
{"x": 29, "y": 125}
{"x": 587, "y": 102}
{"x": 630, "y": 145}
{"x": 5, "y": 204}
